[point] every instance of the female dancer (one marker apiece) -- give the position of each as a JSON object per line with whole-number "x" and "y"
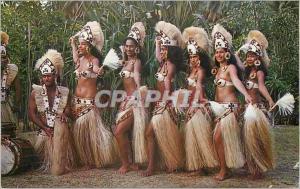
{"x": 163, "y": 126}
{"x": 227, "y": 131}
{"x": 130, "y": 116}
{"x": 256, "y": 132}
{"x": 199, "y": 149}
{"x": 93, "y": 141}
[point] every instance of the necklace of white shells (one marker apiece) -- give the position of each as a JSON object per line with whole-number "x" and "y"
{"x": 51, "y": 114}
{"x": 3, "y": 85}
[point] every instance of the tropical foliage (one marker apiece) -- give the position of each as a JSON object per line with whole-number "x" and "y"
{"x": 36, "y": 26}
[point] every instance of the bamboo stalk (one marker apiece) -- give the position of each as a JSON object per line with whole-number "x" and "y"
{"x": 29, "y": 69}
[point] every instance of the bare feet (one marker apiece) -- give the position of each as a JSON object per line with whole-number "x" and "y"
{"x": 221, "y": 176}
{"x": 134, "y": 167}
{"x": 194, "y": 173}
{"x": 256, "y": 176}
{"x": 245, "y": 166}
{"x": 147, "y": 173}
{"x": 87, "y": 167}
{"x": 123, "y": 169}
{"x": 171, "y": 170}
{"x": 205, "y": 171}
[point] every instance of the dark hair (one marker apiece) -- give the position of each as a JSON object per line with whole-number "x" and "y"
{"x": 232, "y": 60}
{"x": 205, "y": 62}
{"x": 175, "y": 56}
{"x": 261, "y": 67}
{"x": 95, "y": 52}
{"x": 137, "y": 45}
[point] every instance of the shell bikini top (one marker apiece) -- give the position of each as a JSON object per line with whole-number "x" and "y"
{"x": 162, "y": 76}
{"x": 251, "y": 85}
{"x": 191, "y": 82}
{"x": 126, "y": 74}
{"x": 222, "y": 82}
{"x": 87, "y": 73}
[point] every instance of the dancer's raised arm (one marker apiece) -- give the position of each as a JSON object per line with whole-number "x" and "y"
{"x": 74, "y": 49}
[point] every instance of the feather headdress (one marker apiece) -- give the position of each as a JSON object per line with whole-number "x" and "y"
{"x": 50, "y": 62}
{"x": 92, "y": 33}
{"x": 222, "y": 38}
{"x": 169, "y": 34}
{"x": 257, "y": 42}
{"x": 196, "y": 40}
{"x": 138, "y": 33}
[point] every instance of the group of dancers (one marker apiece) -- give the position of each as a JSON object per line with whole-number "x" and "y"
{"x": 73, "y": 133}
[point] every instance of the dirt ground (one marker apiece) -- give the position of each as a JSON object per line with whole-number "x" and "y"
{"x": 283, "y": 176}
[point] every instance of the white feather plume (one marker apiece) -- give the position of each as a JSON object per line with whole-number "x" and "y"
{"x": 250, "y": 113}
{"x": 285, "y": 104}
{"x": 217, "y": 108}
{"x": 112, "y": 60}
{"x": 244, "y": 48}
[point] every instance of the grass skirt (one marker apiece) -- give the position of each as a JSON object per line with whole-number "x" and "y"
{"x": 199, "y": 148}
{"x": 231, "y": 138}
{"x": 94, "y": 143}
{"x": 139, "y": 125}
{"x": 7, "y": 114}
{"x": 258, "y": 143}
{"x": 169, "y": 140}
{"x": 57, "y": 153}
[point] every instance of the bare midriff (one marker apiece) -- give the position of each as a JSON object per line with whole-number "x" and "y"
{"x": 193, "y": 91}
{"x": 129, "y": 85}
{"x": 86, "y": 88}
{"x": 160, "y": 86}
{"x": 255, "y": 95}
{"x": 225, "y": 94}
